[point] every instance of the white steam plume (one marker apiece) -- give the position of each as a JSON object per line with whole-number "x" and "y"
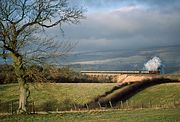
{"x": 153, "y": 64}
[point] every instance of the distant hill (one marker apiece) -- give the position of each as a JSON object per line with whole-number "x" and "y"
{"x": 120, "y": 59}
{"x": 127, "y": 59}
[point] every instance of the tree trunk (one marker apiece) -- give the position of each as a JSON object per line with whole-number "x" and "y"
{"x": 23, "y": 87}
{"x": 23, "y": 95}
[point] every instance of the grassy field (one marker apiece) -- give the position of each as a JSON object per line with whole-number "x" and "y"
{"x": 143, "y": 115}
{"x": 78, "y": 93}
{"x": 82, "y": 93}
{"x": 159, "y": 94}
{"x": 162, "y": 94}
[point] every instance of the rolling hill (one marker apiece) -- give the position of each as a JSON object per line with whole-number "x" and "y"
{"x": 64, "y": 95}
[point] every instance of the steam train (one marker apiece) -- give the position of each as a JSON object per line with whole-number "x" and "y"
{"x": 122, "y": 72}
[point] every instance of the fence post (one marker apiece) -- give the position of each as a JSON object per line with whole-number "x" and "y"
{"x": 57, "y": 109}
{"x": 174, "y": 103}
{"x": 27, "y": 107}
{"x": 150, "y": 104}
{"x": 87, "y": 106}
{"x": 121, "y": 104}
{"x": 11, "y": 107}
{"x": 130, "y": 103}
{"x": 33, "y": 107}
{"x": 133, "y": 104}
{"x": 110, "y": 104}
{"x": 141, "y": 105}
{"x": 0, "y": 105}
{"x": 99, "y": 105}
{"x": 127, "y": 103}
{"x": 74, "y": 107}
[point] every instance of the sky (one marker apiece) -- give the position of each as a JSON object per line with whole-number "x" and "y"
{"x": 123, "y": 34}
{"x": 124, "y": 24}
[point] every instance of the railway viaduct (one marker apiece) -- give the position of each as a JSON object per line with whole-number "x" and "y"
{"x": 121, "y": 76}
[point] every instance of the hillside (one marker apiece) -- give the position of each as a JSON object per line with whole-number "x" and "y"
{"x": 57, "y": 95}
{"x": 63, "y": 95}
{"x": 160, "y": 94}
{"x": 156, "y": 92}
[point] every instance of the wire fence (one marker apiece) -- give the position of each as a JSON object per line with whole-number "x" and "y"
{"x": 32, "y": 108}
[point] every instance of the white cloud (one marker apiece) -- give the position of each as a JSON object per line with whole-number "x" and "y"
{"x": 129, "y": 8}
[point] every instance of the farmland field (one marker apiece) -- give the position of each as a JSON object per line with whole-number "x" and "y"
{"x": 81, "y": 93}
{"x": 159, "y": 94}
{"x": 143, "y": 115}
{"x": 166, "y": 94}
{"x": 78, "y": 93}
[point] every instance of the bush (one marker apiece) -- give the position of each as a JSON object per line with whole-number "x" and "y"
{"x": 54, "y": 105}
{"x": 7, "y": 74}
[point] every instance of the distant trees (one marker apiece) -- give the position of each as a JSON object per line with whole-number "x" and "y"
{"x": 51, "y": 74}
{"x": 21, "y": 25}
{"x": 67, "y": 75}
{"x": 7, "y": 74}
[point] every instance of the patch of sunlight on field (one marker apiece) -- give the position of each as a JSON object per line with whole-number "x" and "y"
{"x": 79, "y": 93}
{"x": 159, "y": 94}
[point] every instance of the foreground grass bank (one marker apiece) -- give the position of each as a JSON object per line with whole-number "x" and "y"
{"x": 143, "y": 115}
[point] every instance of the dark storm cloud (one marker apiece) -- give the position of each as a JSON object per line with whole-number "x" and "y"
{"x": 108, "y": 4}
{"x": 126, "y": 24}
{"x": 157, "y": 2}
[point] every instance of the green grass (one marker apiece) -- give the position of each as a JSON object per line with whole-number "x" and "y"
{"x": 166, "y": 95}
{"x": 64, "y": 94}
{"x": 144, "y": 115}
{"x": 78, "y": 93}
{"x": 162, "y": 94}
{"x": 82, "y": 93}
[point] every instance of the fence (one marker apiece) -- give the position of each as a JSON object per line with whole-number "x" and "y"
{"x": 11, "y": 106}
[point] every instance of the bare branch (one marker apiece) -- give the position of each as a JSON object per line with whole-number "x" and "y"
{"x": 20, "y": 20}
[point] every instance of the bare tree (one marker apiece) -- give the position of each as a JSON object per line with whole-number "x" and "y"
{"x": 20, "y": 24}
